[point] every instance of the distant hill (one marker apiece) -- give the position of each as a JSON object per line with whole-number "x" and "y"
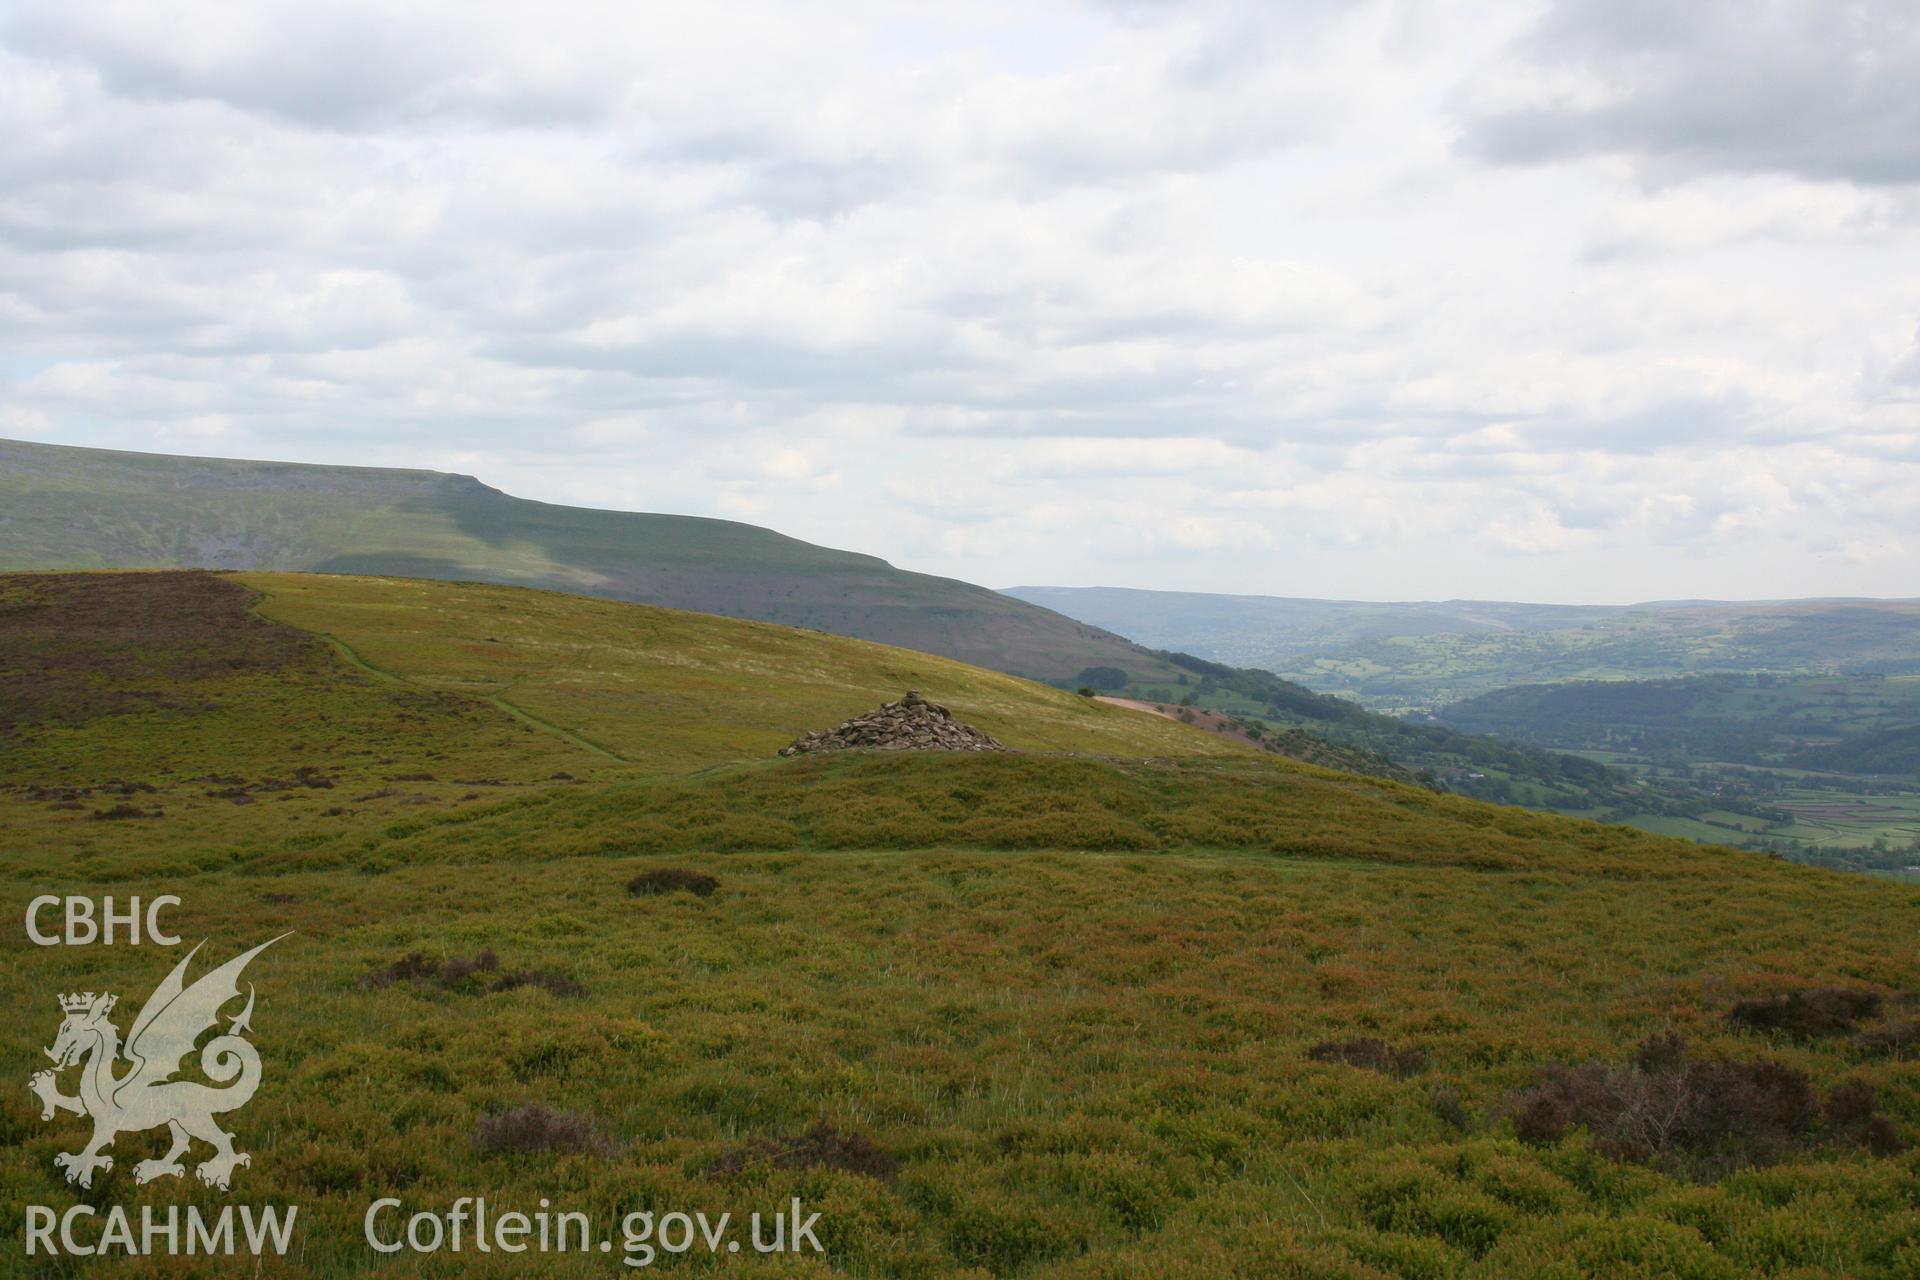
{"x": 1419, "y": 655}
{"x": 1843, "y": 724}
{"x": 70, "y": 508}
{"x": 1829, "y": 763}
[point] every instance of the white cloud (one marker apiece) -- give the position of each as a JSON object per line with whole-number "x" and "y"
{"x": 1221, "y": 295}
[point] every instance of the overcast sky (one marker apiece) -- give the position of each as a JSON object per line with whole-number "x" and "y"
{"x": 1578, "y": 300}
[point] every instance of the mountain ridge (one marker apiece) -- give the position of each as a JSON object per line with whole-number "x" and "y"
{"x": 67, "y": 507}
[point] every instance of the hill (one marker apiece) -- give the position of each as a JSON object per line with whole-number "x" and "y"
{"x": 1746, "y": 719}
{"x": 68, "y": 508}
{"x": 93, "y": 508}
{"x": 1106, "y": 1005}
{"x": 1421, "y": 655}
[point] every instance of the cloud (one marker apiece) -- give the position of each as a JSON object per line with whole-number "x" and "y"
{"x": 1811, "y": 88}
{"x": 1216, "y": 295}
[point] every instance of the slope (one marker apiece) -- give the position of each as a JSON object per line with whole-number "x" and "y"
{"x": 1039, "y": 1014}
{"x": 68, "y": 508}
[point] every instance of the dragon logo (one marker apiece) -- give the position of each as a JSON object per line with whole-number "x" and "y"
{"x": 146, "y": 1095}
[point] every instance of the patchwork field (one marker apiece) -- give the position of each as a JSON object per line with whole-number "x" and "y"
{"x": 1128, "y": 1001}
{"x": 1826, "y": 768}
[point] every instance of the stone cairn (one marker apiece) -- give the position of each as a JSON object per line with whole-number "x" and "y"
{"x": 911, "y": 724}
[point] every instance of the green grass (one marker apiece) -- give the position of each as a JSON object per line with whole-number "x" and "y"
{"x": 670, "y": 689}
{"x": 1070, "y": 992}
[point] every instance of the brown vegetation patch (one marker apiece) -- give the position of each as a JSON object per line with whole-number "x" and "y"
{"x": 1725, "y": 1112}
{"x": 479, "y": 971}
{"x": 548, "y": 980}
{"x": 1824, "y": 1011}
{"x": 121, "y": 811}
{"x": 538, "y": 1127}
{"x": 62, "y": 794}
{"x": 1372, "y": 1054}
{"x": 76, "y": 647}
{"x": 821, "y": 1147}
{"x": 668, "y": 879}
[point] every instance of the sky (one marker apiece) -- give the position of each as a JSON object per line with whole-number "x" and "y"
{"x": 1568, "y": 300}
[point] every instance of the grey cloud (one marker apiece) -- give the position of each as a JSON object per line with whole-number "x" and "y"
{"x": 1814, "y": 88}
{"x": 324, "y": 66}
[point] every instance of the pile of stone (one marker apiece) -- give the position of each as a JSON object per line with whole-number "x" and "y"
{"x": 911, "y": 724}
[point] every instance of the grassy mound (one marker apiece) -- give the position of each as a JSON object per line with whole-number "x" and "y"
{"x": 670, "y": 691}
{"x": 180, "y": 705}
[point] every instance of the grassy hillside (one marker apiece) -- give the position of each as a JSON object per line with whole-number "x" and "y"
{"x": 1101, "y": 1008}
{"x": 1418, "y": 655}
{"x": 65, "y": 508}
{"x": 1106, "y": 1007}
{"x": 392, "y": 696}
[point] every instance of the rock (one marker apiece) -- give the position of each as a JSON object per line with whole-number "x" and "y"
{"x": 911, "y": 724}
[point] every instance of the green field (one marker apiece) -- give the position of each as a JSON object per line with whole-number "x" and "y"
{"x": 1124, "y": 1002}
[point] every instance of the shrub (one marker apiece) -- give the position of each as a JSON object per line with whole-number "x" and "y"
{"x": 668, "y": 879}
{"x": 1803, "y": 1015}
{"x": 1759, "y": 1107}
{"x": 1662, "y": 1106}
{"x": 538, "y": 1127}
{"x": 1853, "y": 1118}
